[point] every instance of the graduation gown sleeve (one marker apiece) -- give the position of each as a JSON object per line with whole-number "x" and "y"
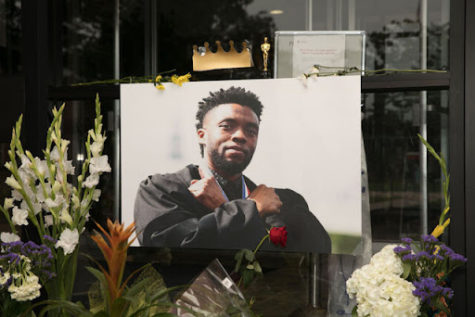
{"x": 167, "y": 214}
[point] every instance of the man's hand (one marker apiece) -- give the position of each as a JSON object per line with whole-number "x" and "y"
{"x": 207, "y": 191}
{"x": 266, "y": 199}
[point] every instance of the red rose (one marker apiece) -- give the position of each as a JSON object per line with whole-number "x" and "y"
{"x": 278, "y": 235}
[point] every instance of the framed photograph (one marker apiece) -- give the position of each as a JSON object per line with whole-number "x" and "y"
{"x": 276, "y": 153}
{"x": 297, "y": 51}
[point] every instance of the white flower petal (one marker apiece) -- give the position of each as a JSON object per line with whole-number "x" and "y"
{"x": 8, "y": 237}
{"x": 99, "y": 165}
{"x": 68, "y": 240}
{"x": 12, "y": 182}
{"x": 96, "y": 194}
{"x": 19, "y": 216}
{"x": 8, "y": 203}
{"x": 96, "y": 148}
{"x": 91, "y": 181}
{"x": 49, "y": 220}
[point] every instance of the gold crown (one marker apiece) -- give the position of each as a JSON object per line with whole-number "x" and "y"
{"x": 204, "y": 59}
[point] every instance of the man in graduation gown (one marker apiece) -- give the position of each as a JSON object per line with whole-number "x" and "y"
{"x": 214, "y": 205}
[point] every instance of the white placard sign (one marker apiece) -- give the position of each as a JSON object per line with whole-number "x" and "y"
{"x": 309, "y": 140}
{"x": 328, "y": 50}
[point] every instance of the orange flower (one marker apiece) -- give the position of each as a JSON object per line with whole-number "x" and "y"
{"x": 114, "y": 249}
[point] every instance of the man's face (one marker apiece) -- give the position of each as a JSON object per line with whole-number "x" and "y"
{"x": 229, "y": 135}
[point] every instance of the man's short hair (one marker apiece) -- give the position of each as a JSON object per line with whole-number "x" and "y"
{"x": 233, "y": 94}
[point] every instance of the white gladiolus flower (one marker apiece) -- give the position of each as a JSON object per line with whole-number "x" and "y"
{"x": 19, "y": 216}
{"x": 25, "y": 162}
{"x": 42, "y": 167}
{"x": 49, "y": 220}
{"x": 58, "y": 201}
{"x": 68, "y": 240}
{"x": 29, "y": 193}
{"x": 75, "y": 200}
{"x": 91, "y": 181}
{"x": 16, "y": 195}
{"x": 54, "y": 155}
{"x": 56, "y": 187}
{"x": 64, "y": 146}
{"x": 8, "y": 237}
{"x": 64, "y": 216}
{"x": 69, "y": 167}
{"x": 12, "y": 182}
{"x": 99, "y": 165}
{"x": 8, "y": 165}
{"x": 96, "y": 148}
{"x": 36, "y": 208}
{"x": 96, "y": 194}
{"x": 40, "y": 196}
{"x": 8, "y": 203}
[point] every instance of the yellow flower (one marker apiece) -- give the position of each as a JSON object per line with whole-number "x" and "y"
{"x": 439, "y": 230}
{"x": 158, "y": 83}
{"x": 179, "y": 80}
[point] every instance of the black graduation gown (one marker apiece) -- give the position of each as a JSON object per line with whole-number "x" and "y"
{"x": 168, "y": 215}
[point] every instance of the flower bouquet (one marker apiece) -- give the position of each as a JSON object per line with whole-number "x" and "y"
{"x": 410, "y": 279}
{"x": 47, "y": 194}
{"x": 21, "y": 267}
{"x": 113, "y": 295}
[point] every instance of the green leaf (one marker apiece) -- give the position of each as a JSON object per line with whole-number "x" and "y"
{"x": 247, "y": 277}
{"x": 354, "y": 311}
{"x": 238, "y": 257}
{"x": 120, "y": 307}
{"x": 257, "y": 267}
{"x": 406, "y": 269}
{"x": 249, "y": 255}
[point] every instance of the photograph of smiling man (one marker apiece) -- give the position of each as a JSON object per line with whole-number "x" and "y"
{"x": 214, "y": 200}
{"x": 214, "y": 205}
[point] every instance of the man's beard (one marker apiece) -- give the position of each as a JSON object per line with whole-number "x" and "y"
{"x": 229, "y": 167}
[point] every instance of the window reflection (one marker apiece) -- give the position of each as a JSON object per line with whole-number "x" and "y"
{"x": 10, "y": 37}
{"x": 390, "y": 125}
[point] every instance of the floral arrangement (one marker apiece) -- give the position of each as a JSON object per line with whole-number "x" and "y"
{"x": 115, "y": 296}
{"x": 245, "y": 274}
{"x": 379, "y": 288}
{"x": 409, "y": 279}
{"x": 47, "y": 194}
{"x": 427, "y": 265}
{"x": 22, "y": 265}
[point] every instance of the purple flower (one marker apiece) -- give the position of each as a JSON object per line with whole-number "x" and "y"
{"x": 429, "y": 238}
{"x": 49, "y": 239}
{"x": 402, "y": 250}
{"x": 426, "y": 288}
{"x": 423, "y": 254}
{"x": 39, "y": 255}
{"x": 457, "y": 257}
{"x": 409, "y": 257}
{"x": 439, "y": 257}
{"x": 406, "y": 240}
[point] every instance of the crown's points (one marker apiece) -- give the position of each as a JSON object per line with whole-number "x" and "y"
{"x": 219, "y": 48}
{"x": 221, "y": 59}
